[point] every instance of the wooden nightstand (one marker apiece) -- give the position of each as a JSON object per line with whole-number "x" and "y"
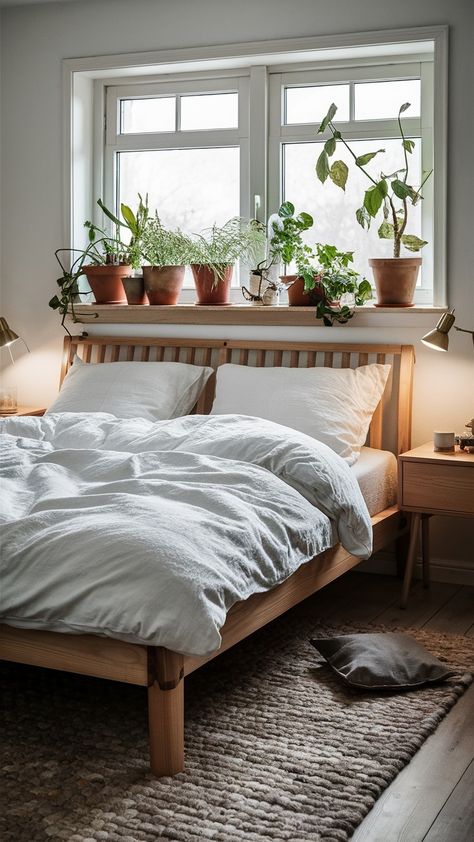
{"x": 432, "y": 483}
{"x": 25, "y": 410}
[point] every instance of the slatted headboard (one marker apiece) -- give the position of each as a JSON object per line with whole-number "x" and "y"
{"x": 391, "y": 424}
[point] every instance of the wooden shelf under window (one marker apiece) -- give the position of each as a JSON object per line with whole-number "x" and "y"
{"x": 232, "y": 314}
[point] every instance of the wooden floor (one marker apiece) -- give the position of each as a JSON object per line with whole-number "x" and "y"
{"x": 432, "y": 799}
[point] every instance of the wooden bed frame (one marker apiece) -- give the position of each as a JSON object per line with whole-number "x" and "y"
{"x": 160, "y": 670}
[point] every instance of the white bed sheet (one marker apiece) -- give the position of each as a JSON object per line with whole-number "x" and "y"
{"x": 376, "y": 473}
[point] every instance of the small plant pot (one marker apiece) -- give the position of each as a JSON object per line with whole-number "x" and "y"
{"x": 271, "y": 297}
{"x": 395, "y": 280}
{"x": 209, "y": 289}
{"x": 106, "y": 282}
{"x": 135, "y": 289}
{"x": 297, "y": 297}
{"x": 257, "y": 287}
{"x": 163, "y": 284}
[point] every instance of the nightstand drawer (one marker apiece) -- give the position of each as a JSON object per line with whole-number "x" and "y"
{"x": 447, "y": 488}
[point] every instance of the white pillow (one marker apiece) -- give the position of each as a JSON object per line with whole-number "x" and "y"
{"x": 156, "y": 391}
{"x": 332, "y": 405}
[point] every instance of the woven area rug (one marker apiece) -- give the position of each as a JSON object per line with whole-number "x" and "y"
{"x": 276, "y": 747}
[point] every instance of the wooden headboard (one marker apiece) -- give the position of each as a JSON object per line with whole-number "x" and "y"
{"x": 391, "y": 424}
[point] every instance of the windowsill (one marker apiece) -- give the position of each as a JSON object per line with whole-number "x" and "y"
{"x": 246, "y": 314}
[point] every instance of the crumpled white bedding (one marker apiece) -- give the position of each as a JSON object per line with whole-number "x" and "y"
{"x": 150, "y": 531}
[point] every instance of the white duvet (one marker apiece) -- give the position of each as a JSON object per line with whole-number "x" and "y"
{"x": 150, "y": 532}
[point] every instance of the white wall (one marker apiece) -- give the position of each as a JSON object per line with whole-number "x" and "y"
{"x": 36, "y": 38}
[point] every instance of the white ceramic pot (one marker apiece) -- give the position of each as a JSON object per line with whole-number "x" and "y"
{"x": 257, "y": 286}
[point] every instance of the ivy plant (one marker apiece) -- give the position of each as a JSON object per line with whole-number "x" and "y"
{"x": 328, "y": 272}
{"x": 390, "y": 193}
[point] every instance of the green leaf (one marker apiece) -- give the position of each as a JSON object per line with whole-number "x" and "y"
{"x": 386, "y": 231}
{"x": 329, "y": 116}
{"x": 129, "y": 217}
{"x": 54, "y": 303}
{"x": 305, "y": 219}
{"x": 363, "y": 218}
{"x": 364, "y": 291}
{"x": 404, "y": 107}
{"x": 409, "y": 145}
{"x": 362, "y": 160}
{"x": 287, "y": 209}
{"x": 338, "y": 174}
{"x": 402, "y": 190}
{"x": 413, "y": 243}
{"x": 373, "y": 200}
{"x": 383, "y": 187}
{"x": 108, "y": 213}
{"x": 330, "y": 146}
{"x": 322, "y": 167}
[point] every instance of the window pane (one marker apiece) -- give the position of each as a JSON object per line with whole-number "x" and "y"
{"x": 382, "y": 100}
{"x": 310, "y": 104}
{"x": 210, "y": 111}
{"x": 148, "y": 115}
{"x": 334, "y": 209}
{"x": 190, "y": 188}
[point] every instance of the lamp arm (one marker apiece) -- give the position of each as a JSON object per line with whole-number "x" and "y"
{"x": 463, "y": 330}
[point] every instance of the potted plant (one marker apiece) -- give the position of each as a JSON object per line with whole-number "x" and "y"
{"x": 214, "y": 253}
{"x": 340, "y": 288}
{"x": 389, "y": 194}
{"x": 120, "y": 255}
{"x": 167, "y": 252}
{"x": 286, "y": 246}
{"x": 102, "y": 252}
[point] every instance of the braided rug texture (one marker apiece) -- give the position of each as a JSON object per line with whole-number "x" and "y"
{"x": 276, "y": 747}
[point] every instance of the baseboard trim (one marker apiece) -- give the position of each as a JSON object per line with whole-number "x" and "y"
{"x": 441, "y": 570}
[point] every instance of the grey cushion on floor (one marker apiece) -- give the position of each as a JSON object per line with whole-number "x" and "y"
{"x": 381, "y": 661}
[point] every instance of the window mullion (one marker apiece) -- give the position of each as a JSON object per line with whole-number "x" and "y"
{"x": 258, "y": 139}
{"x": 177, "y": 119}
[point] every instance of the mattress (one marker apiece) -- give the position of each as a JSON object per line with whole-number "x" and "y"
{"x": 376, "y": 473}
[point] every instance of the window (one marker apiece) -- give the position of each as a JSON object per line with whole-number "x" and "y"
{"x": 368, "y": 99}
{"x": 184, "y": 144}
{"x": 207, "y": 145}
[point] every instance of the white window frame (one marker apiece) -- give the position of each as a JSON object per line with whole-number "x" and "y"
{"x": 422, "y": 127}
{"x": 85, "y": 81}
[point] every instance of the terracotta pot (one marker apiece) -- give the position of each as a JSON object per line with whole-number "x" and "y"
{"x": 135, "y": 290}
{"x": 395, "y": 280}
{"x": 297, "y": 297}
{"x": 106, "y": 283}
{"x": 163, "y": 284}
{"x": 209, "y": 289}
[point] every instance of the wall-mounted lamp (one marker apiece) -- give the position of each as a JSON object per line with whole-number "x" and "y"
{"x": 8, "y": 337}
{"x": 438, "y": 338}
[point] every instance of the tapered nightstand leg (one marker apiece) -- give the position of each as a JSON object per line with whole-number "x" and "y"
{"x": 425, "y": 549}
{"x": 414, "y": 529}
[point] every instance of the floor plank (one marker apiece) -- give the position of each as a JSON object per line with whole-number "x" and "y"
{"x": 457, "y": 615}
{"x": 363, "y": 599}
{"x": 423, "y": 604}
{"x": 455, "y": 822}
{"x": 405, "y": 812}
{"x": 357, "y": 597}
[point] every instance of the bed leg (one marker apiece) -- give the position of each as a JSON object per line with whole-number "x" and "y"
{"x": 166, "y": 713}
